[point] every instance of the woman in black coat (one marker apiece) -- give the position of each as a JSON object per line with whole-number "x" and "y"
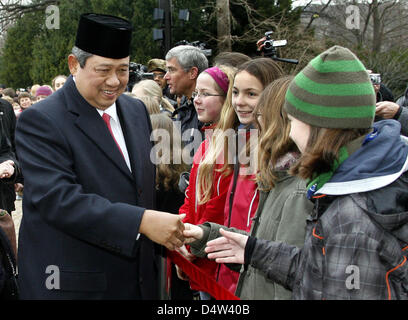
{"x": 9, "y": 167}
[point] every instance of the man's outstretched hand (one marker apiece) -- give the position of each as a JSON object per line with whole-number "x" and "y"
{"x": 163, "y": 228}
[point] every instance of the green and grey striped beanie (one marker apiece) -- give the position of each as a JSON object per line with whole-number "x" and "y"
{"x": 333, "y": 91}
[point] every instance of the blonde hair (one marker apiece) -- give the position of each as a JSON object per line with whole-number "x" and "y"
{"x": 274, "y": 132}
{"x": 167, "y": 174}
{"x": 151, "y": 104}
{"x": 34, "y": 89}
{"x": 206, "y": 166}
{"x": 62, "y": 76}
{"x": 152, "y": 89}
{"x": 266, "y": 71}
{"x": 8, "y": 98}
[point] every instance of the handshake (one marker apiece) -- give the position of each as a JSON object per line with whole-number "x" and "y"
{"x": 168, "y": 229}
{"x": 163, "y": 228}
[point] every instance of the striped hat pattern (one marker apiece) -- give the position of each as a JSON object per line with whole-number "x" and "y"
{"x": 333, "y": 91}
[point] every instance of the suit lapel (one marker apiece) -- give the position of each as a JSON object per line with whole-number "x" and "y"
{"x": 130, "y": 127}
{"x": 92, "y": 125}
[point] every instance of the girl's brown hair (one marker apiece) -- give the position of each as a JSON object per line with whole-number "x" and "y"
{"x": 274, "y": 131}
{"x": 322, "y": 150}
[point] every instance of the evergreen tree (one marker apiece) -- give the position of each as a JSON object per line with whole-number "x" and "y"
{"x": 17, "y": 54}
{"x": 34, "y": 53}
{"x": 52, "y": 46}
{"x": 143, "y": 46}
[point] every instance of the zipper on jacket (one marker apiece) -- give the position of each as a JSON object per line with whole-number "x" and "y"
{"x": 218, "y": 185}
{"x": 196, "y": 190}
{"x": 250, "y": 207}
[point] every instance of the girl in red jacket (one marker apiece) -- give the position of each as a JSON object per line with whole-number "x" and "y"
{"x": 204, "y": 201}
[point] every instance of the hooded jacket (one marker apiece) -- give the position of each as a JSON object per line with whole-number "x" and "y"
{"x": 357, "y": 237}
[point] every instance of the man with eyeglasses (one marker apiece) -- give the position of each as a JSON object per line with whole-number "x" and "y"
{"x": 158, "y": 68}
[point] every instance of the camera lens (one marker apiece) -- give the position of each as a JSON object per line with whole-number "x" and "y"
{"x": 268, "y": 44}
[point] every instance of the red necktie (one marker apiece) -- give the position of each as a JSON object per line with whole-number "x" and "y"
{"x": 106, "y": 117}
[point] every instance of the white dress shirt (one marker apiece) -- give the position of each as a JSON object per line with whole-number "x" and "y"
{"x": 117, "y": 131}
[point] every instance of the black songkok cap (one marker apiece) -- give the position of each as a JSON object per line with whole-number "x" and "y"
{"x": 104, "y": 35}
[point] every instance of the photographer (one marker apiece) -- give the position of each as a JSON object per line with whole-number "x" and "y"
{"x": 391, "y": 110}
{"x": 158, "y": 68}
{"x": 267, "y": 48}
{"x": 137, "y": 72}
{"x": 403, "y": 100}
{"x": 381, "y": 91}
{"x": 386, "y": 108}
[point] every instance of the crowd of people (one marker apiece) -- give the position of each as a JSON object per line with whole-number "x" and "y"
{"x": 276, "y": 186}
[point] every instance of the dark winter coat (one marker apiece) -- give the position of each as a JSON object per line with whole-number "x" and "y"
{"x": 82, "y": 205}
{"x": 190, "y": 125}
{"x": 7, "y": 152}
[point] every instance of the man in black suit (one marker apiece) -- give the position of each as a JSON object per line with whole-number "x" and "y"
{"x": 89, "y": 230}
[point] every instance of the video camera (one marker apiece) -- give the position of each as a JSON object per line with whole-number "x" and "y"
{"x": 198, "y": 44}
{"x": 269, "y": 48}
{"x": 138, "y": 72}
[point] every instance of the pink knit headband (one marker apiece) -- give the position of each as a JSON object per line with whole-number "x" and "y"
{"x": 220, "y": 77}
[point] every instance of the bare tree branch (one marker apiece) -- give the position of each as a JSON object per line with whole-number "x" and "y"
{"x": 12, "y": 10}
{"x": 317, "y": 15}
{"x": 382, "y": 23}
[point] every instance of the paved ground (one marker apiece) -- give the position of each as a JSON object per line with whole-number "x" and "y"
{"x": 17, "y": 215}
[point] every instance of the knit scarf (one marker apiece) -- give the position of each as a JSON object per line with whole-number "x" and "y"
{"x": 318, "y": 181}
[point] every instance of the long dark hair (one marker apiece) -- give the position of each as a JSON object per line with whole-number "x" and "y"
{"x": 274, "y": 132}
